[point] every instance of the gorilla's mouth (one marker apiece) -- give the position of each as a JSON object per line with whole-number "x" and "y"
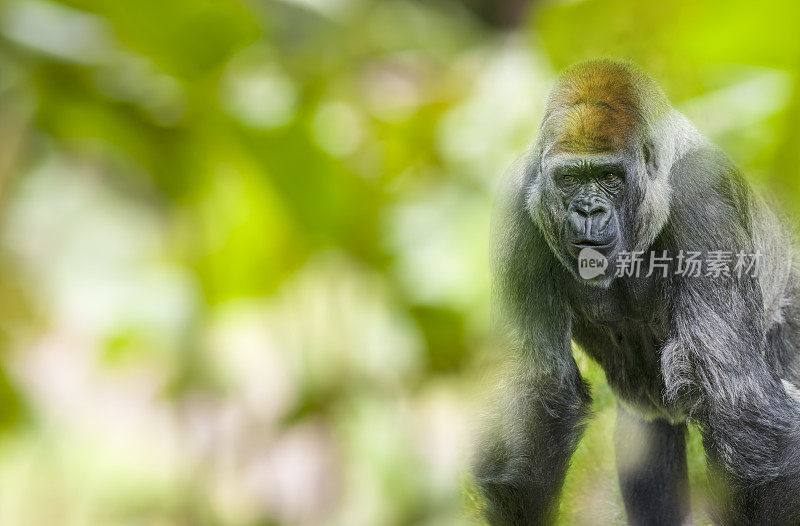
{"x": 591, "y": 243}
{"x": 606, "y": 247}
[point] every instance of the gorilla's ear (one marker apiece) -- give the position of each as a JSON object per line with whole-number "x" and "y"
{"x": 652, "y": 162}
{"x": 653, "y": 209}
{"x": 518, "y": 180}
{"x": 531, "y": 178}
{"x": 666, "y": 141}
{"x": 533, "y": 169}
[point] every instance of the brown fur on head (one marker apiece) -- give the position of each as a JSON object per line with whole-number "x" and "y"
{"x": 599, "y": 105}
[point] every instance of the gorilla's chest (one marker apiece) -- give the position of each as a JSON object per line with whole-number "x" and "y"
{"x": 619, "y": 306}
{"x": 624, "y": 330}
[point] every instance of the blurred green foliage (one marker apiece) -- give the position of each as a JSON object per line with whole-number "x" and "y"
{"x": 244, "y": 244}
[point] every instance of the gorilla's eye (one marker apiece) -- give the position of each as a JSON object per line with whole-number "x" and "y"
{"x": 568, "y": 178}
{"x": 610, "y": 177}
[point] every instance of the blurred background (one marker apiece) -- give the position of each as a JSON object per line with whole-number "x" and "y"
{"x": 243, "y": 244}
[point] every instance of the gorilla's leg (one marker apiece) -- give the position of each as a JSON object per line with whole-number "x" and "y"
{"x": 651, "y": 463}
{"x": 739, "y": 503}
{"x": 523, "y": 460}
{"x": 754, "y": 465}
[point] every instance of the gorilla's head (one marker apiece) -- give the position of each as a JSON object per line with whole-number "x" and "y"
{"x": 599, "y": 169}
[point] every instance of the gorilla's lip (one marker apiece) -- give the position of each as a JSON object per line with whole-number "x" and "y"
{"x": 589, "y": 243}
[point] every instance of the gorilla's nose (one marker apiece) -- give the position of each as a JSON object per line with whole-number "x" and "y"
{"x": 589, "y": 219}
{"x": 589, "y": 207}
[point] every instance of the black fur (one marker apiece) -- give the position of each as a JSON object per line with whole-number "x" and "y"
{"x": 652, "y": 473}
{"x": 717, "y": 352}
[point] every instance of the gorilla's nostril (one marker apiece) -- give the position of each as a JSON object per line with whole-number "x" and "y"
{"x": 589, "y": 209}
{"x": 597, "y": 210}
{"x": 602, "y": 220}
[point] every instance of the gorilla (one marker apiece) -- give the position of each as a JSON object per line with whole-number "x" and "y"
{"x": 616, "y": 176}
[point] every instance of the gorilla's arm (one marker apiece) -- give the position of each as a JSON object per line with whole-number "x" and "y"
{"x": 523, "y": 458}
{"x": 750, "y": 425}
{"x": 653, "y": 477}
{"x": 715, "y": 360}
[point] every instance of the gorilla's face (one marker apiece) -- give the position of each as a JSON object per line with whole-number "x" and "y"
{"x": 589, "y": 189}
{"x": 598, "y": 179}
{"x": 583, "y": 200}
